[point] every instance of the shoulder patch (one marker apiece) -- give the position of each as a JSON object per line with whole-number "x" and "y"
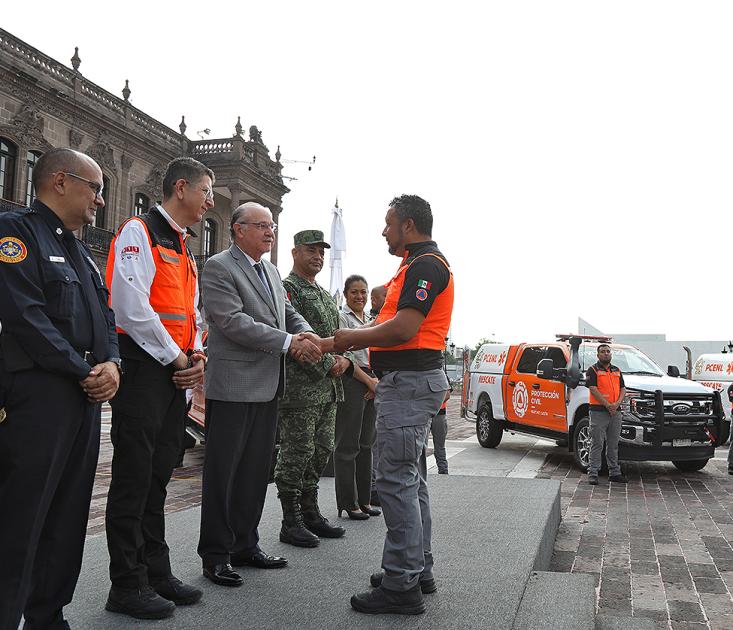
{"x": 421, "y": 294}
{"x": 12, "y": 250}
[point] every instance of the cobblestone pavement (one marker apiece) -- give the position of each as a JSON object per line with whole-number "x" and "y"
{"x": 184, "y": 489}
{"x": 659, "y": 547}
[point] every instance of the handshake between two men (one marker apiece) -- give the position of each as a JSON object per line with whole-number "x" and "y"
{"x": 308, "y": 348}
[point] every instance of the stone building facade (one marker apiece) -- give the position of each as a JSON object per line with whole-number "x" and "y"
{"x": 45, "y": 104}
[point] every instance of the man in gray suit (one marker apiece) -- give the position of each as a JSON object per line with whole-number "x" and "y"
{"x": 252, "y": 325}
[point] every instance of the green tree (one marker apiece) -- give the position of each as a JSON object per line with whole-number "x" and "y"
{"x": 480, "y": 343}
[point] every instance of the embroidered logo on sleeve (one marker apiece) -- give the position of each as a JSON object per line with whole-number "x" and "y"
{"x": 130, "y": 252}
{"x": 424, "y": 284}
{"x": 421, "y": 294}
{"x": 12, "y": 250}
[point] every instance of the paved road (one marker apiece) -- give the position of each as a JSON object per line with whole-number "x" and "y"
{"x": 658, "y": 548}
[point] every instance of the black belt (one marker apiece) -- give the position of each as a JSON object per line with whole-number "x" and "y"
{"x": 383, "y": 373}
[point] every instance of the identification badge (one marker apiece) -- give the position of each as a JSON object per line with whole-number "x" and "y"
{"x": 58, "y": 259}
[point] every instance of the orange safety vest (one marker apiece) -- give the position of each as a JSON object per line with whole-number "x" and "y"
{"x": 609, "y": 384}
{"x": 434, "y": 328}
{"x": 173, "y": 291}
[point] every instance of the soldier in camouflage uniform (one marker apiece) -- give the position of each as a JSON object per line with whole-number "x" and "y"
{"x": 308, "y": 406}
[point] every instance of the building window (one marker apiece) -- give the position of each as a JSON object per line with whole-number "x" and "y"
{"x": 142, "y": 204}
{"x": 209, "y": 237}
{"x": 31, "y": 159}
{"x": 8, "y": 151}
{"x": 100, "y": 219}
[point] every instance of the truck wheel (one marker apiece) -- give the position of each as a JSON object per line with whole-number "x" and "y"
{"x": 691, "y": 465}
{"x": 581, "y": 444}
{"x": 488, "y": 430}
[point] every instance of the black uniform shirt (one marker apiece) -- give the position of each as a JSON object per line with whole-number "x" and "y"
{"x": 45, "y": 311}
{"x": 424, "y": 280}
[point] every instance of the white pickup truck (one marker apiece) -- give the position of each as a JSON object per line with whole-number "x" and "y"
{"x": 716, "y": 372}
{"x": 539, "y": 388}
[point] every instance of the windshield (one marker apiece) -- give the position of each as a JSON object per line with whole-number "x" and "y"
{"x": 628, "y": 360}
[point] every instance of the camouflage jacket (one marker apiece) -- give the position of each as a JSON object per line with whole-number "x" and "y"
{"x": 310, "y": 384}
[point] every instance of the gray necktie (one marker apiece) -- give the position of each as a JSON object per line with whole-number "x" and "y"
{"x": 261, "y": 273}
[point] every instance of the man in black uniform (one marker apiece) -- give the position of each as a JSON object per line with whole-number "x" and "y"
{"x": 58, "y": 361}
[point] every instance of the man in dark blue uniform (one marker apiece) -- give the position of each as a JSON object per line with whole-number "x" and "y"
{"x": 59, "y": 361}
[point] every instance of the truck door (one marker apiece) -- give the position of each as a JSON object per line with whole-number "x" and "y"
{"x": 534, "y": 401}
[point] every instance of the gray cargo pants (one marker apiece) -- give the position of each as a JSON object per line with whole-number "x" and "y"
{"x": 604, "y": 427}
{"x": 406, "y": 402}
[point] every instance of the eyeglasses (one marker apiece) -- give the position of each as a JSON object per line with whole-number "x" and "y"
{"x": 262, "y": 226}
{"x": 95, "y": 186}
{"x": 208, "y": 193}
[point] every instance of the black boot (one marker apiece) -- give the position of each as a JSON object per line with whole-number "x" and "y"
{"x": 293, "y": 530}
{"x": 314, "y": 520}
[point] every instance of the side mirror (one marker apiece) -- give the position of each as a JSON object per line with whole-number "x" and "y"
{"x": 545, "y": 369}
{"x": 673, "y": 371}
{"x": 573, "y": 371}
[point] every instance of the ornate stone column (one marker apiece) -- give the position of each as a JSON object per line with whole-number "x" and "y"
{"x": 275, "y": 217}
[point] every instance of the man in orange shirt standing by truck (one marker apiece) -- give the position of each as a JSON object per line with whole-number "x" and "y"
{"x": 606, "y": 384}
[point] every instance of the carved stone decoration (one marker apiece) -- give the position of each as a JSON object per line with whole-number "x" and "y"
{"x": 255, "y": 135}
{"x": 183, "y": 126}
{"x": 102, "y": 153}
{"x": 153, "y": 186}
{"x": 125, "y": 162}
{"x": 278, "y": 155}
{"x": 126, "y": 90}
{"x": 238, "y": 126}
{"x": 75, "y": 138}
{"x": 76, "y": 60}
{"x": 28, "y": 125}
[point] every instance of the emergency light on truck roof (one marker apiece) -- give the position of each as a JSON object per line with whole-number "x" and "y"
{"x": 584, "y": 338}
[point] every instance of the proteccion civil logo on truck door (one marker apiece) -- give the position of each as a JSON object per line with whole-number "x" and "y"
{"x": 520, "y": 399}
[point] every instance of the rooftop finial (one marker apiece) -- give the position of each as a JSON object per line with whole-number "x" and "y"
{"x": 126, "y": 91}
{"x": 238, "y": 126}
{"x": 76, "y": 60}
{"x": 182, "y": 126}
{"x": 337, "y": 202}
{"x": 278, "y": 155}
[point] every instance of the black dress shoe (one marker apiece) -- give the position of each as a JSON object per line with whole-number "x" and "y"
{"x": 141, "y": 603}
{"x": 171, "y": 588}
{"x": 354, "y": 514}
{"x": 258, "y": 559}
{"x": 223, "y": 575}
{"x": 427, "y": 585}
{"x": 371, "y": 511}
{"x": 381, "y": 600}
{"x": 618, "y": 479}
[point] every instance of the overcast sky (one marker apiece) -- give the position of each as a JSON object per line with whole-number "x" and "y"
{"x": 577, "y": 155}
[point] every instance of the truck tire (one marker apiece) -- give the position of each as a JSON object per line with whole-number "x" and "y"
{"x": 691, "y": 465}
{"x": 488, "y": 430}
{"x": 581, "y": 443}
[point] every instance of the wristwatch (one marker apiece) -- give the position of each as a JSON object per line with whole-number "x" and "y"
{"x": 118, "y": 362}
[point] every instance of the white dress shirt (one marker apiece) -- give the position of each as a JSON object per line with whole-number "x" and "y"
{"x": 253, "y": 262}
{"x": 130, "y": 289}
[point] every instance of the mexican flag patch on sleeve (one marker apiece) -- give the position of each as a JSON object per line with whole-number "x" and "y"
{"x": 424, "y": 284}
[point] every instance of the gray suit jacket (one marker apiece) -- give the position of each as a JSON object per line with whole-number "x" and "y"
{"x": 246, "y": 330}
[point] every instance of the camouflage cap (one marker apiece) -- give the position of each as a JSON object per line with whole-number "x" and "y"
{"x": 310, "y": 237}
